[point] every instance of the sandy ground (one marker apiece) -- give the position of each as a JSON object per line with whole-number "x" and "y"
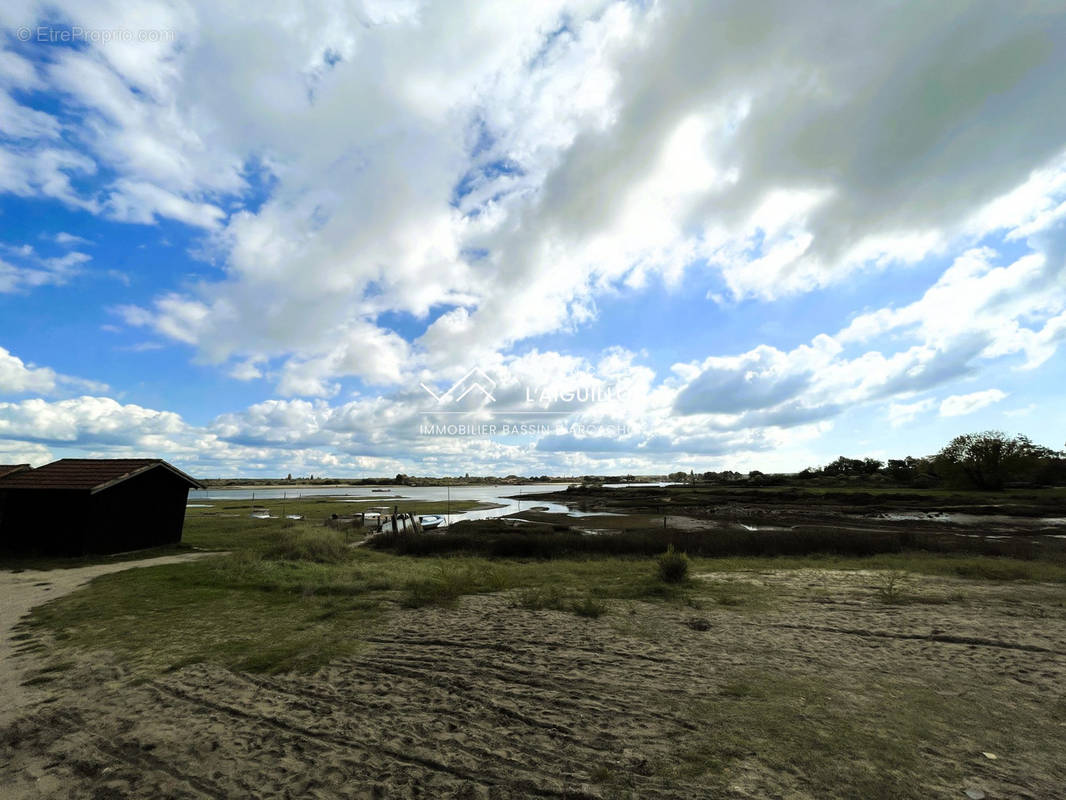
{"x": 492, "y": 701}
{"x": 21, "y": 591}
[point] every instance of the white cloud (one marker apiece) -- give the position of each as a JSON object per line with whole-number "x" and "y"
{"x": 900, "y": 414}
{"x": 37, "y": 271}
{"x": 132, "y": 201}
{"x": 71, "y": 240}
{"x": 17, "y": 377}
{"x": 487, "y": 177}
{"x": 24, "y": 453}
{"x": 508, "y": 168}
{"x": 46, "y": 171}
{"x": 958, "y": 405}
{"x": 100, "y": 418}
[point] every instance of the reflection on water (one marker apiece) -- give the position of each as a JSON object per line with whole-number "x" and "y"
{"x": 526, "y": 497}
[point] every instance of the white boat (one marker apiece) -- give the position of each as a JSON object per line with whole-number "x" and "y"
{"x": 430, "y": 521}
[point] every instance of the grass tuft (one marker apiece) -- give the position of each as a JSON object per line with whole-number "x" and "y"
{"x": 320, "y": 546}
{"x": 450, "y": 582}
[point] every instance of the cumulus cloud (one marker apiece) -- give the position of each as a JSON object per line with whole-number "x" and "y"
{"x": 958, "y": 405}
{"x": 17, "y": 377}
{"x": 505, "y": 169}
{"x": 396, "y": 194}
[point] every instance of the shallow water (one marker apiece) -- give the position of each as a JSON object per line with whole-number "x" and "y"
{"x": 427, "y": 494}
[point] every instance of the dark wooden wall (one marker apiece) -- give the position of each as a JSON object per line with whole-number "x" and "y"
{"x": 145, "y": 511}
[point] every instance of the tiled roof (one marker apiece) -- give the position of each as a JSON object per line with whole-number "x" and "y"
{"x": 7, "y": 469}
{"x": 86, "y": 473}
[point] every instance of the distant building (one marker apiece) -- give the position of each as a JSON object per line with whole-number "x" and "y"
{"x": 76, "y": 506}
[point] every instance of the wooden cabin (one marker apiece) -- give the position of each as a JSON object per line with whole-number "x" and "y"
{"x": 76, "y": 506}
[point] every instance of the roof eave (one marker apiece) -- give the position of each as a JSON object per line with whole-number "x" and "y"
{"x": 193, "y": 483}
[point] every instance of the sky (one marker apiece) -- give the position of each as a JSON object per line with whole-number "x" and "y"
{"x": 444, "y": 238}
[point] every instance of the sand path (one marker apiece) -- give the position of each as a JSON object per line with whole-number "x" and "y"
{"x": 22, "y": 591}
{"x": 492, "y": 701}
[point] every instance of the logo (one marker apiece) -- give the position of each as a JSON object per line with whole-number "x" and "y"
{"x": 474, "y": 380}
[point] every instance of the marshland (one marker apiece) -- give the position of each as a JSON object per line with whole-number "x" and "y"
{"x": 659, "y": 644}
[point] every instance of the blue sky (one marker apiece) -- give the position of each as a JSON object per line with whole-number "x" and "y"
{"x": 246, "y": 242}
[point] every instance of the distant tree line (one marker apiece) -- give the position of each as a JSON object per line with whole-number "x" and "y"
{"x": 990, "y": 460}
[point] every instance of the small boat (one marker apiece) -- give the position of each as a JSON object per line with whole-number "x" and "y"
{"x": 381, "y": 490}
{"x": 431, "y": 521}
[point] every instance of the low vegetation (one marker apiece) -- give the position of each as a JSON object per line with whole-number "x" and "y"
{"x": 673, "y": 566}
{"x": 493, "y": 539}
{"x": 293, "y": 599}
{"x": 293, "y": 596}
{"x": 322, "y": 546}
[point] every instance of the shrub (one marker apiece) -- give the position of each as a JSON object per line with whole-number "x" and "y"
{"x": 892, "y": 588}
{"x": 673, "y": 566}
{"x": 590, "y": 607}
{"x": 320, "y": 546}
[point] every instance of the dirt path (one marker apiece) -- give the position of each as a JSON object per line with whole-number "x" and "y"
{"x": 22, "y": 591}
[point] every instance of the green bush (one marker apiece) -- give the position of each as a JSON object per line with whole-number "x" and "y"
{"x": 318, "y": 545}
{"x": 673, "y": 566}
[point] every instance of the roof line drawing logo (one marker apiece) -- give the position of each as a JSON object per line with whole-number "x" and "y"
{"x": 474, "y": 379}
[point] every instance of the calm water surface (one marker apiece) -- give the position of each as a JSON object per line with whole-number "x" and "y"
{"x": 429, "y": 494}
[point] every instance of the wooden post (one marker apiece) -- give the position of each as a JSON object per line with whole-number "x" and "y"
{"x": 395, "y": 513}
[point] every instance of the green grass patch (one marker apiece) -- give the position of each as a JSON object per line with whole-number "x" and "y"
{"x": 449, "y": 582}
{"x": 228, "y": 524}
{"x": 322, "y": 546}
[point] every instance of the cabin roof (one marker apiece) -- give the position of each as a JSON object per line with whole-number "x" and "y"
{"x": 8, "y": 469}
{"x": 91, "y": 474}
